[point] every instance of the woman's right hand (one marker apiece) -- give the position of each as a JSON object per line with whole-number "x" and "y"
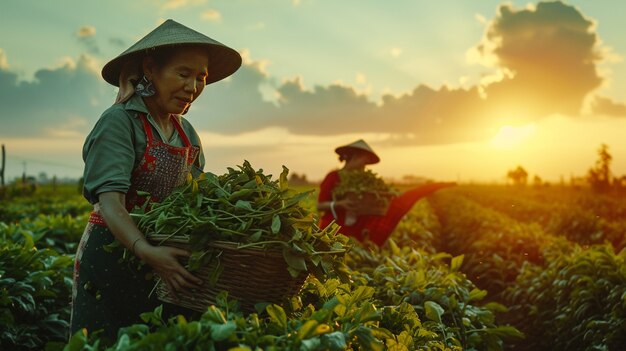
{"x": 164, "y": 262}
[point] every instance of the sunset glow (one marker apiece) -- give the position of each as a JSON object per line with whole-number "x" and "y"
{"x": 444, "y": 94}
{"x": 510, "y": 137}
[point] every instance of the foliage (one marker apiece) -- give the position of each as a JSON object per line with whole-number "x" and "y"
{"x": 576, "y": 302}
{"x": 442, "y": 297}
{"x": 344, "y": 319}
{"x": 245, "y": 206}
{"x": 495, "y": 247}
{"x": 360, "y": 182}
{"x": 582, "y": 217}
{"x": 20, "y": 208}
{"x": 58, "y": 232}
{"x": 599, "y": 177}
{"x": 35, "y": 287}
{"x": 410, "y": 296}
{"x": 518, "y": 176}
{"x": 420, "y": 228}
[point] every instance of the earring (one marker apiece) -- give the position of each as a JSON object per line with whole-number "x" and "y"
{"x": 144, "y": 87}
{"x": 186, "y": 109}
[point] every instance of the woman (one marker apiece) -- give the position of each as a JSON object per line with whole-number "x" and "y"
{"x": 141, "y": 144}
{"x": 377, "y": 229}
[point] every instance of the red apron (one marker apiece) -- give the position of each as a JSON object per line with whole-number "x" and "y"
{"x": 107, "y": 293}
{"x": 162, "y": 168}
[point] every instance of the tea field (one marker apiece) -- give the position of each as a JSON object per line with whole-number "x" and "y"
{"x": 469, "y": 268}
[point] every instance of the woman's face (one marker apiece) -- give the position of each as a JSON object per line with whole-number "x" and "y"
{"x": 358, "y": 160}
{"x": 179, "y": 81}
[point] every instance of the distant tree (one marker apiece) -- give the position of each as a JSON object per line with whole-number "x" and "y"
{"x": 297, "y": 179}
{"x": 518, "y": 176}
{"x": 537, "y": 181}
{"x": 43, "y": 178}
{"x": 599, "y": 177}
{"x": 620, "y": 184}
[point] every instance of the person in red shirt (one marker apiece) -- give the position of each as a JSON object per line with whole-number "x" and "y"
{"x": 374, "y": 228}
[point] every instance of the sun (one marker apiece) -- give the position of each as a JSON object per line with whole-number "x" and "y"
{"x": 509, "y": 136}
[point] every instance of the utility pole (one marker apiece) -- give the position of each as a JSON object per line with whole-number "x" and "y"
{"x": 2, "y": 168}
{"x": 24, "y": 174}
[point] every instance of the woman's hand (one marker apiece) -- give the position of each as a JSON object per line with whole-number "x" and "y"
{"x": 164, "y": 262}
{"x": 347, "y": 204}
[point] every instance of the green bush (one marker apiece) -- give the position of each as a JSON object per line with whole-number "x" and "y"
{"x": 35, "y": 290}
{"x": 444, "y": 300}
{"x": 576, "y": 302}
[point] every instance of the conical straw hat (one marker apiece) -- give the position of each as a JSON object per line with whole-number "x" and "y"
{"x": 223, "y": 61}
{"x": 360, "y": 145}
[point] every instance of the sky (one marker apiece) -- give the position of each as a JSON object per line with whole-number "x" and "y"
{"x": 449, "y": 90}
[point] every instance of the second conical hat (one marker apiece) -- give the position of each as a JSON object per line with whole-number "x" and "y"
{"x": 359, "y": 145}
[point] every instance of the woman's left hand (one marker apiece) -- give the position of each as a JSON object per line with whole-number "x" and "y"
{"x": 164, "y": 262}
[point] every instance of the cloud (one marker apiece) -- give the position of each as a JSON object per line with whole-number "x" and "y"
{"x": 423, "y": 116}
{"x": 605, "y": 106}
{"x": 211, "y": 15}
{"x": 86, "y": 31}
{"x": 4, "y": 61}
{"x": 361, "y": 78}
{"x": 177, "y": 4}
{"x": 71, "y": 96}
{"x": 543, "y": 62}
{"x": 551, "y": 50}
{"x": 86, "y": 36}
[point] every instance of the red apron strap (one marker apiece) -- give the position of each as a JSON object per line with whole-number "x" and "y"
{"x": 146, "y": 127}
{"x": 96, "y": 218}
{"x": 180, "y": 130}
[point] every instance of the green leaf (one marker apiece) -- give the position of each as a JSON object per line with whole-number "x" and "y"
{"x": 244, "y": 205}
{"x": 284, "y": 184}
{"x": 214, "y": 314}
{"x": 275, "y": 224}
{"x": 77, "y": 341}
{"x": 334, "y": 341}
{"x": 221, "y": 332}
{"x": 312, "y": 344}
{"x": 456, "y": 262}
{"x": 256, "y": 236}
{"x": 199, "y": 198}
{"x": 433, "y": 311}
{"x": 367, "y": 313}
{"x": 361, "y": 294}
{"x": 476, "y": 294}
{"x": 123, "y": 343}
{"x": 505, "y": 331}
{"x": 277, "y": 315}
{"x": 307, "y": 329}
{"x": 294, "y": 261}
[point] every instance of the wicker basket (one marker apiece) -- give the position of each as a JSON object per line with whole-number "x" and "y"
{"x": 370, "y": 203}
{"x": 250, "y": 275}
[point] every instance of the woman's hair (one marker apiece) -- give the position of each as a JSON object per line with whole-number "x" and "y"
{"x": 162, "y": 55}
{"x": 348, "y": 155}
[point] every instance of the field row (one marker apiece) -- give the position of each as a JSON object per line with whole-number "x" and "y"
{"x": 462, "y": 271}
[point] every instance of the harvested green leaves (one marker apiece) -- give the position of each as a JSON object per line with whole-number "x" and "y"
{"x": 247, "y": 207}
{"x": 361, "y": 182}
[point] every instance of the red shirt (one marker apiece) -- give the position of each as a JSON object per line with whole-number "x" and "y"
{"x": 375, "y": 228}
{"x": 329, "y": 183}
